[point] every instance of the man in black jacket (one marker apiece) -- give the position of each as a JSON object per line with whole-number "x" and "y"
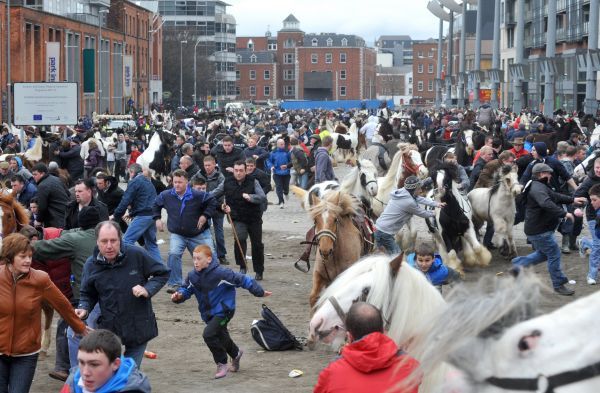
{"x": 542, "y": 217}
{"x": 109, "y": 191}
{"x": 71, "y": 159}
{"x": 226, "y": 155}
{"x": 52, "y": 197}
{"x": 122, "y": 279}
{"x": 244, "y": 199}
{"x": 84, "y": 196}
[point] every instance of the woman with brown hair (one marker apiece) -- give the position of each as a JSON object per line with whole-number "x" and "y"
{"x": 22, "y": 291}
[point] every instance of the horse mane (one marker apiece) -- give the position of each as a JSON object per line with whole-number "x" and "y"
{"x": 473, "y": 313}
{"x": 380, "y": 265}
{"x": 35, "y": 153}
{"x": 502, "y": 171}
{"x": 21, "y": 214}
{"x": 353, "y": 176}
{"x": 337, "y": 202}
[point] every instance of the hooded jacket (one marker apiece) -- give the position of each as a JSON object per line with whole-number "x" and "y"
{"x": 22, "y": 170}
{"x": 437, "y": 273}
{"x": 583, "y": 191}
{"x": 372, "y": 364}
{"x": 323, "y": 166}
{"x": 127, "y": 379}
{"x": 214, "y": 288}
{"x": 399, "y": 210}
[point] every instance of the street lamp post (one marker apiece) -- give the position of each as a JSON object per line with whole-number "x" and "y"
{"x": 195, "y": 72}
{"x": 591, "y": 105}
{"x": 181, "y": 72}
{"x": 8, "y": 76}
{"x": 100, "y": 13}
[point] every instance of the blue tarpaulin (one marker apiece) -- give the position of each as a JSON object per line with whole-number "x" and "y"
{"x": 333, "y": 105}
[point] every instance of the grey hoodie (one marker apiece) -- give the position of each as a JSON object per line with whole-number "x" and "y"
{"x": 399, "y": 210}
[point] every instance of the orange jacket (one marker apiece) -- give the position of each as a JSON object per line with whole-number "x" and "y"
{"x": 21, "y": 310}
{"x": 372, "y": 364}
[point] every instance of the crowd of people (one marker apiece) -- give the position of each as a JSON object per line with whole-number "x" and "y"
{"x": 84, "y": 229}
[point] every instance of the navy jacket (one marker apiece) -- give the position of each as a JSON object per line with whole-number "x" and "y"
{"x": 183, "y": 214}
{"x": 214, "y": 288}
{"x": 140, "y": 194}
{"x": 129, "y": 317}
{"x": 29, "y": 191}
{"x": 560, "y": 173}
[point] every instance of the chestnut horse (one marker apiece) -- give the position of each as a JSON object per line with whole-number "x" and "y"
{"x": 340, "y": 243}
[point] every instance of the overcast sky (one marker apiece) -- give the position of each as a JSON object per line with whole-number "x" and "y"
{"x": 368, "y": 19}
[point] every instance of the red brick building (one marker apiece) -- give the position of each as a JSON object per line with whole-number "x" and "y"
{"x": 256, "y": 75}
{"x": 310, "y": 66}
{"x": 125, "y": 33}
{"x": 425, "y": 70}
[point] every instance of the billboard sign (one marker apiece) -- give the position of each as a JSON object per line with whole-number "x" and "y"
{"x": 127, "y": 76}
{"x": 52, "y": 61}
{"x": 45, "y": 104}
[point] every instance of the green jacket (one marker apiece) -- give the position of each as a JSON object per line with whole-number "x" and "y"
{"x": 75, "y": 244}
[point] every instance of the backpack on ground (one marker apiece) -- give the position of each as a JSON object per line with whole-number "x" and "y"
{"x": 271, "y": 334}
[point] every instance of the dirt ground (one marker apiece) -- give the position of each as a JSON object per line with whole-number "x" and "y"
{"x": 184, "y": 363}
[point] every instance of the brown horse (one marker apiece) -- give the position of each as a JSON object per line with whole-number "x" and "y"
{"x": 340, "y": 242}
{"x": 13, "y": 217}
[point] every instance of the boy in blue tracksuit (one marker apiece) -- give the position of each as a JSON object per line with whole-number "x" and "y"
{"x": 430, "y": 264}
{"x": 280, "y": 163}
{"x": 214, "y": 287}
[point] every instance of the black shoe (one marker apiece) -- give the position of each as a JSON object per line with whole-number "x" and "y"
{"x": 258, "y": 277}
{"x": 564, "y": 291}
{"x": 243, "y": 270}
{"x": 223, "y": 261}
{"x": 172, "y": 288}
{"x": 59, "y": 375}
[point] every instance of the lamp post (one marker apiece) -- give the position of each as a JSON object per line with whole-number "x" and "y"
{"x": 436, "y": 9}
{"x": 100, "y": 14}
{"x": 591, "y": 105}
{"x": 8, "y": 76}
{"x": 195, "y": 72}
{"x": 181, "y": 72}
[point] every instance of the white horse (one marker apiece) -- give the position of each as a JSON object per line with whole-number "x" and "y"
{"x": 497, "y": 204}
{"x": 402, "y": 293}
{"x": 361, "y": 182}
{"x": 579, "y": 173}
{"x": 455, "y": 230}
{"x": 407, "y": 161}
{"x": 486, "y": 333}
{"x": 344, "y": 145}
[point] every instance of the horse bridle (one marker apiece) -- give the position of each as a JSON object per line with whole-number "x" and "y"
{"x": 544, "y": 384}
{"x": 363, "y": 180}
{"x": 340, "y": 311}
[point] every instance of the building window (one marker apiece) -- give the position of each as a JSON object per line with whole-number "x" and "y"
{"x": 431, "y": 52}
{"x": 343, "y": 74}
{"x": 344, "y": 42}
{"x": 343, "y": 91}
{"x": 251, "y": 45}
{"x": 267, "y": 75}
{"x": 267, "y": 91}
{"x": 315, "y": 42}
{"x": 237, "y": 75}
{"x": 430, "y": 85}
{"x": 329, "y": 42}
{"x": 237, "y": 91}
{"x": 410, "y": 80}
{"x": 253, "y": 59}
{"x": 289, "y": 43}
{"x": 420, "y": 54}
{"x": 410, "y": 91}
{"x": 420, "y": 85}
{"x": 343, "y": 57}
{"x": 289, "y": 90}
{"x": 430, "y": 68}
{"x": 328, "y": 58}
{"x": 420, "y": 68}
{"x": 252, "y": 75}
{"x": 288, "y": 75}
{"x": 288, "y": 58}
{"x": 252, "y": 90}
{"x": 272, "y": 46}
{"x": 314, "y": 58}
{"x": 239, "y": 58}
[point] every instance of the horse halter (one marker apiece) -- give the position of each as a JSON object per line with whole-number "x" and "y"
{"x": 363, "y": 180}
{"x": 340, "y": 311}
{"x": 544, "y": 384}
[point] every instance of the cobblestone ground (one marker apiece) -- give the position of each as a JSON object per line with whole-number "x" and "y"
{"x": 184, "y": 363}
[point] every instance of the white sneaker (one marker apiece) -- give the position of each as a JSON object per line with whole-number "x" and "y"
{"x": 591, "y": 281}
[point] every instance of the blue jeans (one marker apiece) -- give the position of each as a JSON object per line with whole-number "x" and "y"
{"x": 302, "y": 180}
{"x": 136, "y": 353}
{"x": 217, "y": 221}
{"x": 62, "y": 362}
{"x": 386, "y": 241}
{"x": 595, "y": 255}
{"x": 143, "y": 226}
{"x": 177, "y": 248}
{"x": 16, "y": 373}
{"x": 74, "y": 339}
{"x": 546, "y": 249}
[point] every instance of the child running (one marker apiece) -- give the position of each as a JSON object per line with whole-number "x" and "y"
{"x": 214, "y": 287}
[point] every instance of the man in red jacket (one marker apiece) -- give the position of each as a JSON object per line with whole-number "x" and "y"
{"x": 371, "y": 362}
